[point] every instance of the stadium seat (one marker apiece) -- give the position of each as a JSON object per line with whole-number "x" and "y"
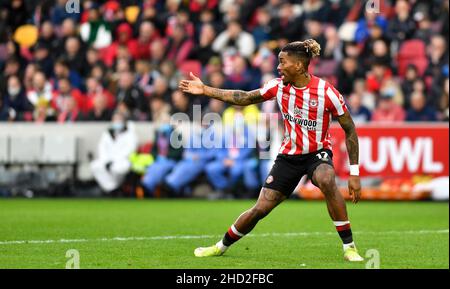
{"x": 4, "y": 149}
{"x": 57, "y": 149}
{"x": 412, "y": 52}
{"x": 25, "y": 149}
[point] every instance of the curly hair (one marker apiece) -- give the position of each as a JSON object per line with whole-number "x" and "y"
{"x": 306, "y": 50}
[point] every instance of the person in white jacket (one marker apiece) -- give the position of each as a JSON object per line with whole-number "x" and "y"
{"x": 116, "y": 145}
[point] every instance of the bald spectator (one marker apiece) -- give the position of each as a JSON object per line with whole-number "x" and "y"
{"x": 419, "y": 110}
{"x": 75, "y": 56}
{"x": 41, "y": 90}
{"x": 131, "y": 96}
{"x": 147, "y": 34}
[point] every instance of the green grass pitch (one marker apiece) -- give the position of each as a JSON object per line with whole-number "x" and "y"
{"x": 163, "y": 234}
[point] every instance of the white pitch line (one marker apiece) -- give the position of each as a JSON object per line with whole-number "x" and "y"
{"x": 180, "y": 237}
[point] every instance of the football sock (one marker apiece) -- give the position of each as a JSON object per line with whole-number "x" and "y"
{"x": 231, "y": 236}
{"x": 345, "y": 232}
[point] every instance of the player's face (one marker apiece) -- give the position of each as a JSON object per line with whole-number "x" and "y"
{"x": 288, "y": 67}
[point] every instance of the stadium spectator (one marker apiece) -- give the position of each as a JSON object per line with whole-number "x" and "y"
{"x": 48, "y": 38}
{"x": 115, "y": 146}
{"x": 438, "y": 57}
{"x": 145, "y": 76}
{"x": 263, "y": 29}
{"x": 41, "y": 56}
{"x": 179, "y": 45}
{"x": 75, "y": 56}
{"x": 61, "y": 70}
{"x": 411, "y": 76}
{"x": 131, "y": 96}
{"x": 93, "y": 58}
{"x": 41, "y": 89}
{"x": 181, "y": 104}
{"x": 12, "y": 68}
{"x": 240, "y": 76}
{"x": 69, "y": 111}
{"x": 204, "y": 51}
{"x": 99, "y": 109}
{"x": 161, "y": 89}
{"x": 166, "y": 156}
{"x": 369, "y": 20}
{"x": 359, "y": 112}
{"x": 212, "y": 37}
{"x": 15, "y": 99}
{"x": 348, "y": 72}
{"x": 444, "y": 101}
{"x": 378, "y": 74}
{"x": 287, "y": 23}
{"x": 68, "y": 29}
{"x": 388, "y": 110}
{"x": 333, "y": 45}
{"x": 234, "y": 40}
{"x": 64, "y": 92}
{"x": 16, "y": 14}
{"x": 4, "y": 111}
{"x": 419, "y": 110}
{"x": 424, "y": 30}
{"x": 59, "y": 13}
{"x": 95, "y": 32}
{"x": 159, "y": 110}
{"x": 157, "y": 49}
{"x": 194, "y": 160}
{"x": 235, "y": 160}
{"x": 169, "y": 71}
{"x": 95, "y": 88}
{"x": 124, "y": 37}
{"x": 402, "y": 26}
{"x": 147, "y": 35}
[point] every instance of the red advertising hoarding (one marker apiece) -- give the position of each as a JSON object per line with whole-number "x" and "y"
{"x": 396, "y": 150}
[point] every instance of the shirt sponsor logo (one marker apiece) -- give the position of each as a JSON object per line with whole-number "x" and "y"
{"x": 309, "y": 124}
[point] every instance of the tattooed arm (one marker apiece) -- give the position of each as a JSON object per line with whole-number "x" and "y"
{"x": 351, "y": 140}
{"x": 236, "y": 97}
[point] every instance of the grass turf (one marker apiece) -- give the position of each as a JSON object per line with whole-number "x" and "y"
{"x": 406, "y": 235}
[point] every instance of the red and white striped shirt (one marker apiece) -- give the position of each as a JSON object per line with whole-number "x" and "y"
{"x": 307, "y": 113}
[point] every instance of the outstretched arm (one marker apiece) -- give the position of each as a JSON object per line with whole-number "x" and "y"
{"x": 236, "y": 97}
{"x": 351, "y": 140}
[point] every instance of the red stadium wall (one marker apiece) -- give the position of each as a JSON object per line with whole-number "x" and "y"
{"x": 396, "y": 156}
{"x": 396, "y": 150}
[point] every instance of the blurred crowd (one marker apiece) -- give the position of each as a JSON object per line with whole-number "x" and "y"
{"x": 65, "y": 63}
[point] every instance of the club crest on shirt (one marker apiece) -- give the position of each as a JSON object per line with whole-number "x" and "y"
{"x": 313, "y": 103}
{"x": 285, "y": 96}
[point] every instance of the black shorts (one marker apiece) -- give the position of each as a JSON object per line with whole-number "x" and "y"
{"x": 289, "y": 169}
